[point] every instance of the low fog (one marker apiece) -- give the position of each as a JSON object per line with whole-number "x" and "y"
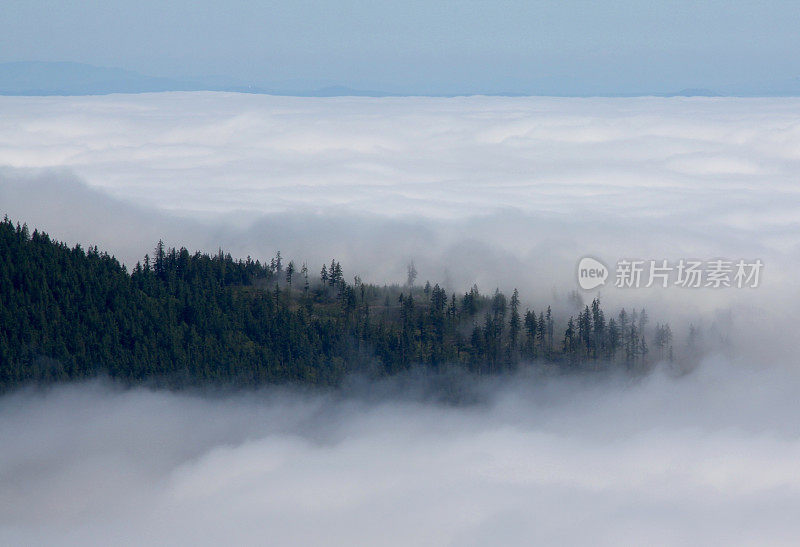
{"x": 502, "y": 192}
{"x": 706, "y": 458}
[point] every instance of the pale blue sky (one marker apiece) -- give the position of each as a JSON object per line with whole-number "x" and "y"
{"x": 560, "y": 47}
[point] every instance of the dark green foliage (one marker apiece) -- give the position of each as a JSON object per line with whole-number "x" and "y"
{"x": 182, "y": 319}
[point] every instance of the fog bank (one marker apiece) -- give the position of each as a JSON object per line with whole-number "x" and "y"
{"x": 705, "y": 458}
{"x": 495, "y": 191}
{"x": 502, "y": 192}
{"x": 526, "y": 185}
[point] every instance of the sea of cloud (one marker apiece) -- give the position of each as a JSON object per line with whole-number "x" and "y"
{"x": 709, "y": 458}
{"x": 502, "y": 192}
{"x": 506, "y": 192}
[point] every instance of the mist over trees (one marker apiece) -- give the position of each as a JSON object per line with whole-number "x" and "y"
{"x": 185, "y": 319}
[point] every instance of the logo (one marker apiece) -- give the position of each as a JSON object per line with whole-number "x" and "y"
{"x": 717, "y": 273}
{"x": 591, "y": 273}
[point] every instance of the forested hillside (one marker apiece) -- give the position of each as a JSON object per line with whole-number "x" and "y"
{"x": 186, "y": 319}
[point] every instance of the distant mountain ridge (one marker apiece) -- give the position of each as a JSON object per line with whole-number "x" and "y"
{"x": 64, "y": 78}
{"x": 67, "y": 78}
{"x": 37, "y": 78}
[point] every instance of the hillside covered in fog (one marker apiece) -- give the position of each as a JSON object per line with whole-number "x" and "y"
{"x": 187, "y": 319}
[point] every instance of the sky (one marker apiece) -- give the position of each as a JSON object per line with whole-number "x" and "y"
{"x": 420, "y": 47}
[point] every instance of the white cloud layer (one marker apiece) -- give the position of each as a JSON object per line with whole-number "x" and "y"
{"x": 709, "y": 458}
{"x": 499, "y": 191}
{"x": 444, "y": 158}
{"x": 643, "y": 173}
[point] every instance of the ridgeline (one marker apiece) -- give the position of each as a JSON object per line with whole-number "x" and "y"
{"x": 180, "y": 319}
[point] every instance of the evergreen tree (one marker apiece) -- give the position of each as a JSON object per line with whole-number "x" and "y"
{"x": 412, "y": 275}
{"x": 304, "y": 273}
{"x": 514, "y": 323}
{"x": 289, "y": 273}
{"x": 530, "y": 332}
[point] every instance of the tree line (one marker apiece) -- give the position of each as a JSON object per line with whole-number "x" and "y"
{"x": 180, "y": 318}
